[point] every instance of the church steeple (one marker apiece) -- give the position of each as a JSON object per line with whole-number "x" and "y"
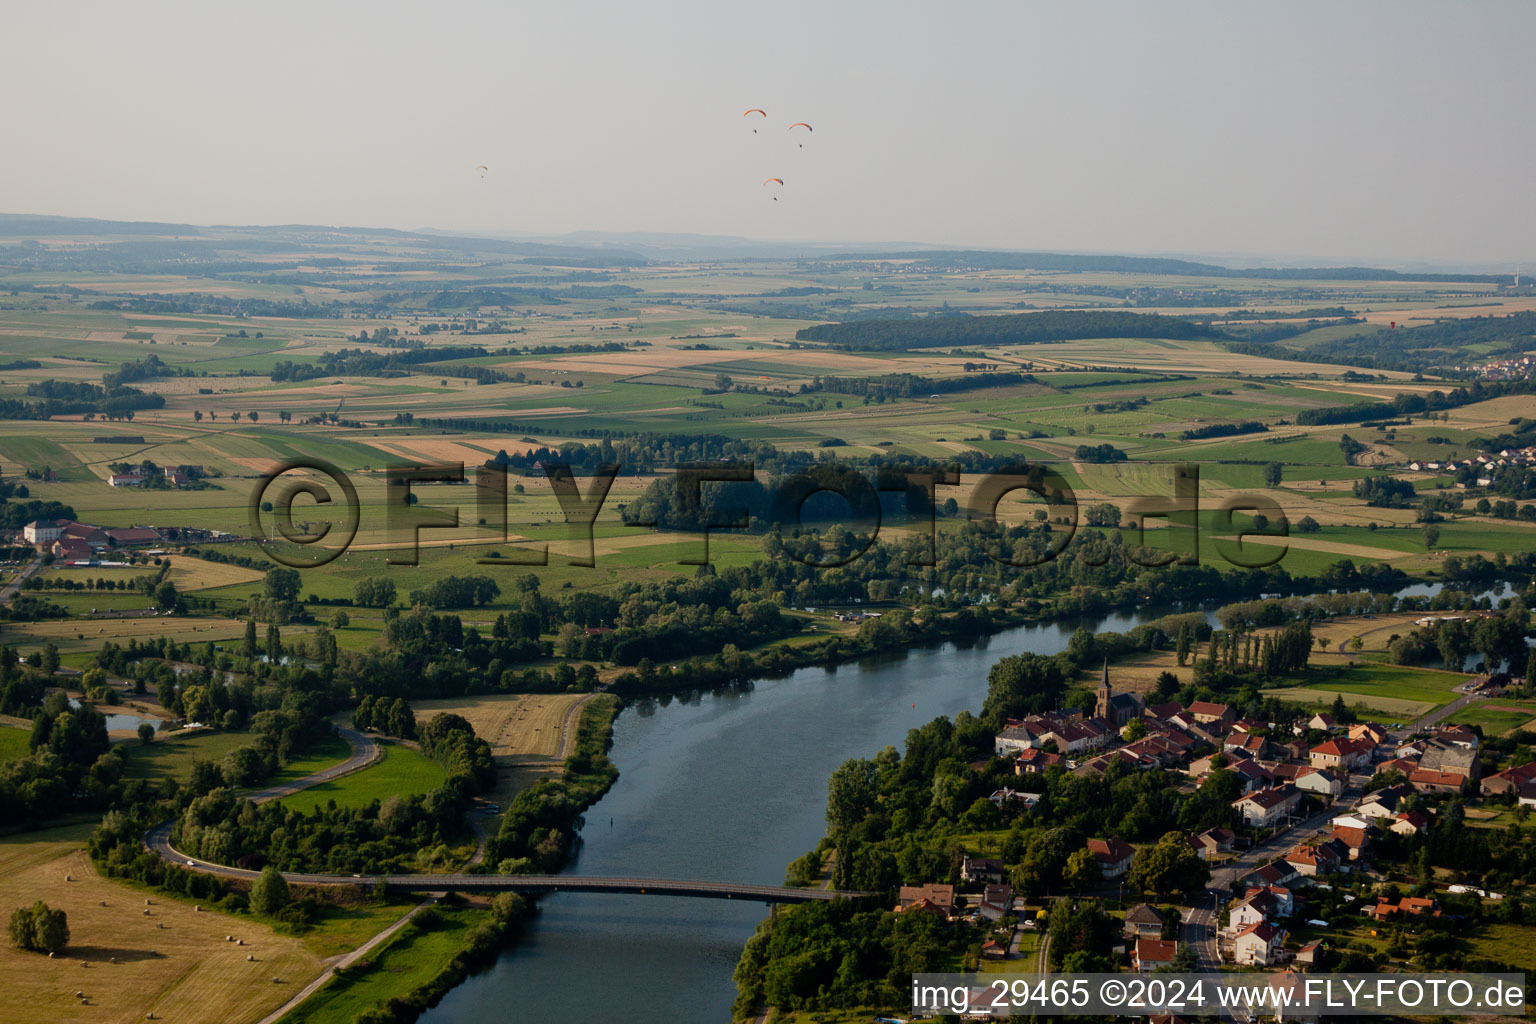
{"x": 1106, "y": 694}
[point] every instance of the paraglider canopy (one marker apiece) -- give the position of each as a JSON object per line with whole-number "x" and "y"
{"x": 800, "y": 124}
{"x": 779, "y": 180}
{"x": 758, "y": 112}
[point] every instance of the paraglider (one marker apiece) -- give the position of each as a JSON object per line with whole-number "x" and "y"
{"x": 779, "y": 180}
{"x": 800, "y": 124}
{"x": 482, "y": 169}
{"x": 760, "y": 113}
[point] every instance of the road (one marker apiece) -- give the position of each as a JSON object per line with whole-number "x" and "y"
{"x": 365, "y": 751}
{"x": 12, "y": 588}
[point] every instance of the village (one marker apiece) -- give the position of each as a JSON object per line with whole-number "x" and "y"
{"x": 1313, "y": 799}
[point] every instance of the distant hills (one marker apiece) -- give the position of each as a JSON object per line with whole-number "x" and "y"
{"x": 599, "y": 248}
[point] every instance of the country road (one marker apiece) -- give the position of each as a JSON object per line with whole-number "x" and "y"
{"x": 12, "y": 588}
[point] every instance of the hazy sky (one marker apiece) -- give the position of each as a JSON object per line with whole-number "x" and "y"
{"x": 1391, "y": 131}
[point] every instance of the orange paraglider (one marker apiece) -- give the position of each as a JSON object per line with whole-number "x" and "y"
{"x": 779, "y": 180}
{"x": 800, "y": 124}
{"x": 760, "y": 113}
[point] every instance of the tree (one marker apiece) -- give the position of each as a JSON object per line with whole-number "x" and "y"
{"x": 1134, "y": 730}
{"x": 1169, "y": 866}
{"x": 197, "y": 416}
{"x": 146, "y": 733}
{"x": 1431, "y": 533}
{"x": 851, "y": 794}
{"x": 340, "y": 619}
{"x": 248, "y": 645}
{"x": 269, "y": 893}
{"x": 253, "y": 415}
{"x": 1273, "y": 472}
{"x": 402, "y": 720}
{"x": 1083, "y": 870}
{"x": 166, "y": 596}
{"x": 274, "y": 646}
{"x": 374, "y": 592}
{"x": 50, "y": 662}
{"x": 39, "y": 928}
{"x": 282, "y": 584}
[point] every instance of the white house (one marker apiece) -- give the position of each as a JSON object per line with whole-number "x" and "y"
{"x": 1258, "y": 944}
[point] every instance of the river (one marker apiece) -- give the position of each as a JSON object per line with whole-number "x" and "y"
{"x": 727, "y": 787}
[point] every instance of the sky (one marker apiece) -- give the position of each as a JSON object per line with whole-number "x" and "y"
{"x": 1394, "y": 132}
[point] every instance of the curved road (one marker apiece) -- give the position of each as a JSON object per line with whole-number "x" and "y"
{"x": 365, "y": 751}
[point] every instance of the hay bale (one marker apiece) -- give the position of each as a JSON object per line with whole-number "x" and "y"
{"x": 229, "y": 938}
{"x": 250, "y": 959}
{"x": 114, "y": 960}
{"x": 69, "y": 878}
{"x": 277, "y": 981}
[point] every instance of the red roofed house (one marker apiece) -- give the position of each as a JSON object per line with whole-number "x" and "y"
{"x": 1153, "y": 953}
{"x": 1207, "y": 712}
{"x": 1342, "y": 753}
{"x": 933, "y": 897}
{"x": 1508, "y": 780}
{"x": 1427, "y": 780}
{"x": 1259, "y": 944}
{"x": 1114, "y": 856}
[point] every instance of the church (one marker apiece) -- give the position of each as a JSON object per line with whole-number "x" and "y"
{"x": 1117, "y": 708}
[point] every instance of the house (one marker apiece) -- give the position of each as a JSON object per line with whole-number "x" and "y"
{"x": 1163, "y": 712}
{"x": 1525, "y": 795}
{"x": 71, "y": 549}
{"x": 1414, "y": 906}
{"x": 1258, "y": 944}
{"x": 1213, "y": 841}
{"x": 1256, "y": 908}
{"x": 1427, "y": 780}
{"x": 1153, "y": 953}
{"x": 938, "y": 897}
{"x": 996, "y": 902}
{"x": 1209, "y": 713}
{"x": 1409, "y": 823}
{"x": 42, "y": 531}
{"x": 1382, "y": 803}
{"x": 1508, "y": 780}
{"x": 1034, "y": 761}
{"x": 1308, "y": 779}
{"x": 1114, "y": 856}
{"x": 1323, "y": 722}
{"x": 1452, "y": 756}
{"x": 981, "y": 869}
{"x": 1015, "y": 739}
{"x": 1403, "y": 766}
{"x": 1143, "y": 921}
{"x": 1248, "y": 743}
{"x": 1356, "y": 839}
{"x": 1254, "y": 775}
{"x": 1278, "y": 873}
{"x": 1284, "y": 903}
{"x": 1308, "y": 954}
{"x": 1296, "y": 750}
{"x": 1342, "y": 753}
{"x": 1073, "y": 737}
{"x": 125, "y": 480}
{"x": 1459, "y": 735}
{"x": 1321, "y": 859}
{"x": 1268, "y": 806}
{"x": 1370, "y": 732}
{"x": 994, "y": 950}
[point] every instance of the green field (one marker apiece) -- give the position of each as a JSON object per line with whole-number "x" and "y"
{"x": 14, "y": 742}
{"x": 172, "y": 754}
{"x": 408, "y": 960}
{"x": 401, "y": 771}
{"x": 1392, "y": 689}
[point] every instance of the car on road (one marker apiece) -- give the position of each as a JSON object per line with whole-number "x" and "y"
{"x": 191, "y": 865}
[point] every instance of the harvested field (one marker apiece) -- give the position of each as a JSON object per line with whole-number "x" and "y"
{"x": 195, "y": 975}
